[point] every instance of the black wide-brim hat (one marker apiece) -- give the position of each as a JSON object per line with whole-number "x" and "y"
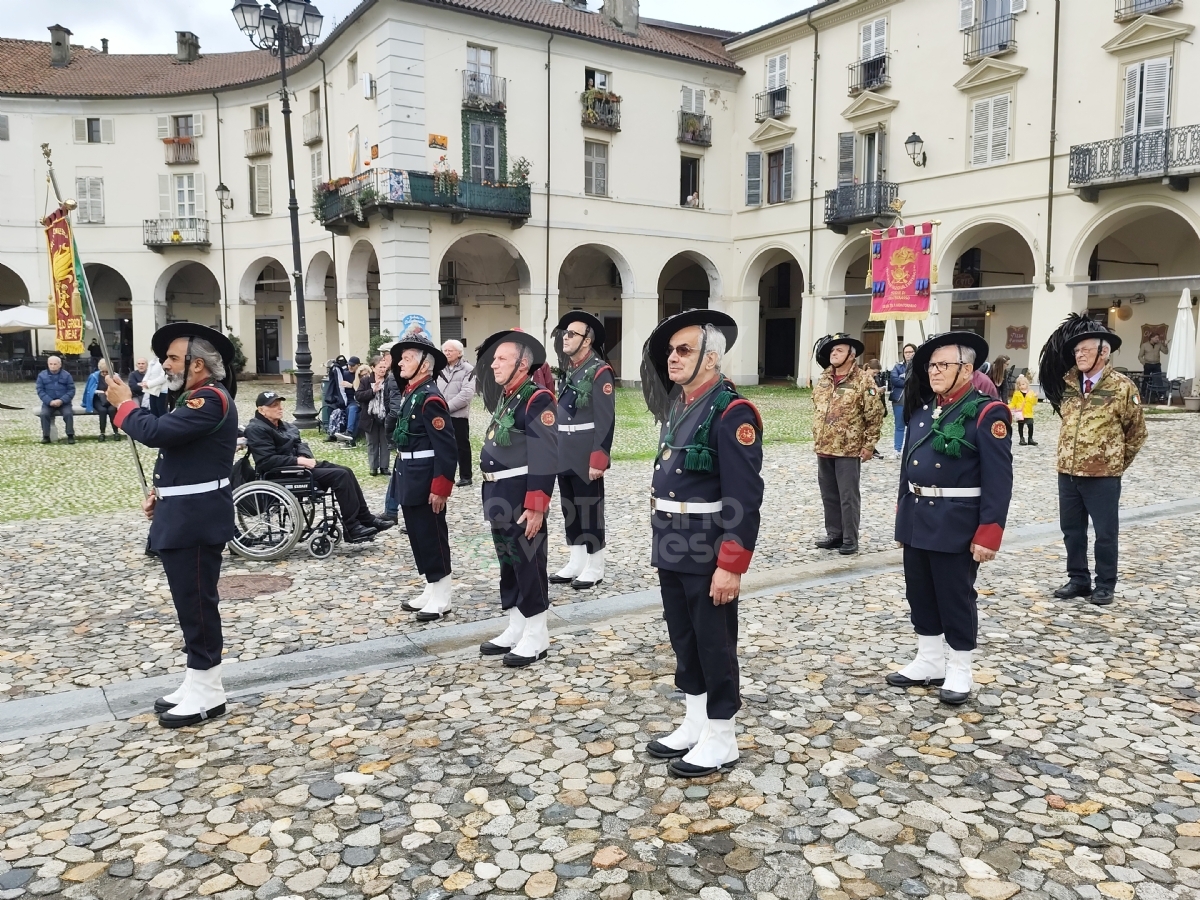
{"x": 579, "y": 315}
{"x": 920, "y": 361}
{"x": 162, "y": 339}
{"x": 484, "y": 351}
{"x": 423, "y": 344}
{"x": 659, "y": 344}
{"x": 1097, "y": 332}
{"x": 826, "y": 344}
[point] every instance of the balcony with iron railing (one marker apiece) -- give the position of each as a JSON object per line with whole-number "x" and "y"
{"x": 870, "y": 74}
{"x": 601, "y": 110}
{"x": 258, "y": 141}
{"x": 160, "y": 233}
{"x": 350, "y": 201}
{"x": 484, "y": 92}
{"x": 1170, "y": 156}
{"x": 852, "y": 203}
{"x": 178, "y": 150}
{"x": 995, "y": 37}
{"x": 695, "y": 128}
{"x": 1131, "y": 9}
{"x": 772, "y": 104}
{"x": 311, "y": 126}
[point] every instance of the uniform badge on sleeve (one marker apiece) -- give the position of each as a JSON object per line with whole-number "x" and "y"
{"x": 439, "y": 423}
{"x": 999, "y": 430}
{"x": 608, "y": 387}
{"x": 746, "y": 434}
{"x": 195, "y": 403}
{"x": 548, "y": 418}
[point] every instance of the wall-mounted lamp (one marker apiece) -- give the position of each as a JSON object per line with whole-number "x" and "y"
{"x": 224, "y": 196}
{"x": 988, "y": 310}
{"x": 916, "y": 150}
{"x": 1116, "y": 305}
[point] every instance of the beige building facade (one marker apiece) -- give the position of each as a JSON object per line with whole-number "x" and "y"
{"x": 467, "y": 171}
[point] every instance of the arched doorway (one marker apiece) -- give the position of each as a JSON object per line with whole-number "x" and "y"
{"x": 596, "y": 278}
{"x": 779, "y": 287}
{"x": 360, "y": 312}
{"x": 14, "y": 293}
{"x": 481, "y": 278}
{"x": 267, "y": 289}
{"x": 321, "y": 309}
{"x": 114, "y": 307}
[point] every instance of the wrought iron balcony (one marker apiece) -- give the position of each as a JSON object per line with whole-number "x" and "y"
{"x": 995, "y": 37}
{"x": 772, "y": 104}
{"x": 350, "y": 201}
{"x": 258, "y": 141}
{"x": 695, "y": 129}
{"x": 179, "y": 150}
{"x": 482, "y": 91}
{"x": 851, "y": 203}
{"x": 601, "y": 110}
{"x": 160, "y": 233}
{"x": 1171, "y": 156}
{"x": 869, "y": 74}
{"x": 312, "y": 127}
{"x": 1131, "y": 9}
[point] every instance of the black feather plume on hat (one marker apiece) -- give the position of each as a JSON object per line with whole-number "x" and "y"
{"x": 1052, "y": 364}
{"x": 654, "y": 385}
{"x": 917, "y": 392}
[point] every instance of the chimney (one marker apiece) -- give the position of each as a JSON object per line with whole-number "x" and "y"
{"x": 60, "y": 46}
{"x": 187, "y": 47}
{"x": 104, "y": 46}
{"x": 622, "y": 14}
{"x": 576, "y": 4}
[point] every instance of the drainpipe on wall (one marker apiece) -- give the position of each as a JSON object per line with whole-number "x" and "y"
{"x": 1053, "y": 137}
{"x": 221, "y": 180}
{"x": 812, "y": 193}
{"x": 546, "y": 304}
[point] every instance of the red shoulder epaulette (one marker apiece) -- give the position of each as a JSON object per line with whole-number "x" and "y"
{"x": 757, "y": 414}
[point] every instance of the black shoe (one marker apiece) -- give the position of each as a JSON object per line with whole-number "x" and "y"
{"x": 1032, "y": 443}
{"x": 487, "y": 648}
{"x": 584, "y": 585}
{"x": 954, "y": 698}
{"x": 829, "y": 543}
{"x": 357, "y": 533}
{"x": 382, "y": 524}
{"x": 848, "y": 549}
{"x": 332, "y": 439}
{"x": 102, "y": 437}
{"x": 161, "y": 706}
{"x": 1073, "y": 589}
{"x": 463, "y": 482}
{"x": 70, "y": 438}
{"x": 516, "y": 662}
{"x": 1101, "y": 596}
{"x": 391, "y": 520}
{"x": 168, "y": 720}
{"x": 45, "y": 440}
{"x": 659, "y": 750}
{"x": 560, "y": 579}
{"x": 408, "y": 607}
{"x": 1022, "y": 442}
{"x": 116, "y": 436}
{"x": 895, "y": 679}
{"x": 384, "y": 472}
{"x": 423, "y": 616}
{"x": 681, "y": 769}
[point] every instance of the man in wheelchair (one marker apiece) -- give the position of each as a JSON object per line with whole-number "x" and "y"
{"x": 275, "y": 445}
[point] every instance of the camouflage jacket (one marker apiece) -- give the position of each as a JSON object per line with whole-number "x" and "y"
{"x": 1102, "y": 432}
{"x": 848, "y": 417}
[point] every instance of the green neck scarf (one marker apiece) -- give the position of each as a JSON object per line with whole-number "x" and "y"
{"x": 698, "y": 455}
{"x": 949, "y": 433}
{"x": 583, "y": 387}
{"x": 501, "y": 427}
{"x": 401, "y": 436}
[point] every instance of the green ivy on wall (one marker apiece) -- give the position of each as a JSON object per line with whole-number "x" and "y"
{"x": 491, "y": 118}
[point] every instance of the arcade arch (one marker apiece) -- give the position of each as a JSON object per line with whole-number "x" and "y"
{"x": 266, "y": 286}
{"x": 779, "y": 287}
{"x": 114, "y": 306}
{"x": 13, "y": 292}
{"x": 595, "y": 278}
{"x": 321, "y": 308}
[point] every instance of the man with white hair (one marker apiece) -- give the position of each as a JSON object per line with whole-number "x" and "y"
{"x": 457, "y": 384}
{"x": 56, "y": 390}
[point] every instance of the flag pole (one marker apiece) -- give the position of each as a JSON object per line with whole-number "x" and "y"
{"x": 67, "y": 206}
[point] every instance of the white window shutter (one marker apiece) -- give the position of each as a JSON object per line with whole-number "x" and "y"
{"x": 166, "y": 209}
{"x": 96, "y": 200}
{"x": 1133, "y": 85}
{"x": 1156, "y": 92}
{"x": 788, "y": 154}
{"x": 1018, "y": 6}
{"x": 772, "y": 72}
{"x": 698, "y": 101}
{"x": 867, "y": 41}
{"x": 164, "y": 127}
{"x": 107, "y": 131}
{"x": 981, "y": 122}
{"x": 1000, "y": 118}
{"x": 754, "y": 179}
{"x": 685, "y": 100}
{"x": 880, "y": 47}
{"x": 262, "y": 188}
{"x": 200, "y": 198}
{"x": 81, "y": 131}
{"x": 197, "y": 124}
{"x": 81, "y": 197}
{"x": 845, "y": 162}
{"x": 966, "y": 14}
{"x": 781, "y": 76}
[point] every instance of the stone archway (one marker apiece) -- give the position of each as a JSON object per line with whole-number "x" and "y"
{"x": 114, "y": 307}
{"x": 13, "y": 292}
{"x": 325, "y": 338}
{"x": 599, "y": 279}
{"x": 778, "y": 286}
{"x": 265, "y": 308}
{"x": 482, "y": 279}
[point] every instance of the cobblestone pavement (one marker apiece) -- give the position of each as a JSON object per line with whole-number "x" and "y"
{"x": 80, "y": 606}
{"x": 1074, "y": 773}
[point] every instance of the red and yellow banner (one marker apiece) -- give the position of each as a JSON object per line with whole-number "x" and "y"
{"x": 901, "y": 272}
{"x": 66, "y": 284}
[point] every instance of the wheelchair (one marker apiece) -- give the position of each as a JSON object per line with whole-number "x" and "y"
{"x": 274, "y": 513}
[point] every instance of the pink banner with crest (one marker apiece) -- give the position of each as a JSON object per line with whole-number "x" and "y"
{"x": 901, "y": 272}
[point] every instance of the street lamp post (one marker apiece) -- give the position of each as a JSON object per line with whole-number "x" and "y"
{"x": 293, "y": 30}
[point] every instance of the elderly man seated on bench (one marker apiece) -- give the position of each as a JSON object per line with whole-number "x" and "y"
{"x": 56, "y": 390}
{"x": 275, "y": 445}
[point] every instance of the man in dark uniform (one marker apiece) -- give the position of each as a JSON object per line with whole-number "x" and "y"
{"x": 191, "y": 506}
{"x": 587, "y": 412}
{"x": 956, "y": 481}
{"x": 705, "y": 497}
{"x": 428, "y": 453}
{"x": 519, "y": 462}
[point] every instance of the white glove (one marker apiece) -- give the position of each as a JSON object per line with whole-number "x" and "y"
{"x": 155, "y": 381}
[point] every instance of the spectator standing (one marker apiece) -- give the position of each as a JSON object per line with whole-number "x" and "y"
{"x": 96, "y": 400}
{"x": 1022, "y": 405}
{"x": 56, "y": 390}
{"x": 95, "y": 351}
{"x": 374, "y": 395}
{"x": 1150, "y": 354}
{"x": 457, "y": 384}
{"x": 336, "y": 397}
{"x": 895, "y": 385}
{"x": 1004, "y": 376}
{"x": 981, "y": 380}
{"x": 353, "y": 367}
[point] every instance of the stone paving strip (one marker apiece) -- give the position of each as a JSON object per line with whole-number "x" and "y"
{"x": 1074, "y": 774}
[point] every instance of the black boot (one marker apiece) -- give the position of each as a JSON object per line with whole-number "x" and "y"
{"x": 1032, "y": 442}
{"x": 829, "y": 543}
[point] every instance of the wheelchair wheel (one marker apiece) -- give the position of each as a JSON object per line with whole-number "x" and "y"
{"x": 267, "y": 521}
{"x": 320, "y": 546}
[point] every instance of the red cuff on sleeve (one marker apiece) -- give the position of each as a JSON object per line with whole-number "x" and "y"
{"x": 598, "y": 459}
{"x": 123, "y": 412}
{"x": 538, "y": 501}
{"x": 733, "y": 557}
{"x": 988, "y": 536}
{"x": 442, "y": 486}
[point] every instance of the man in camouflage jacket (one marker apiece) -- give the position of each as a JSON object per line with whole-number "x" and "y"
{"x": 1103, "y": 428}
{"x": 846, "y": 425}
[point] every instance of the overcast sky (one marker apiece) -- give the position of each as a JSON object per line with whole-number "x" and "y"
{"x": 149, "y": 26}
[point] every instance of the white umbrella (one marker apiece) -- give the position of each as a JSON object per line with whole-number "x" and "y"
{"x": 933, "y": 323}
{"x": 1181, "y": 361}
{"x": 23, "y": 318}
{"x": 888, "y": 357}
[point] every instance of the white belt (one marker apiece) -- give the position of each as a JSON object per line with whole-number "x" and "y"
{"x": 505, "y": 473}
{"x": 922, "y": 491}
{"x": 420, "y": 454}
{"x": 571, "y": 429}
{"x": 671, "y": 506}
{"x": 183, "y": 490}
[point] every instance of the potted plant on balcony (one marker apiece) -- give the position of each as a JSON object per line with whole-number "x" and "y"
{"x": 691, "y": 126}
{"x": 445, "y": 179}
{"x": 518, "y": 172}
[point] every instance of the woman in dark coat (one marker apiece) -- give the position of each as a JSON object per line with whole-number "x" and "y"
{"x": 374, "y": 398}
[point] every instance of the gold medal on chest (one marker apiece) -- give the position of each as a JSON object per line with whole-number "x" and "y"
{"x": 491, "y": 434}
{"x": 666, "y": 454}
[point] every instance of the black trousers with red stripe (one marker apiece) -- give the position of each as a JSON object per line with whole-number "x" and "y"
{"x": 430, "y": 540}
{"x": 192, "y": 575}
